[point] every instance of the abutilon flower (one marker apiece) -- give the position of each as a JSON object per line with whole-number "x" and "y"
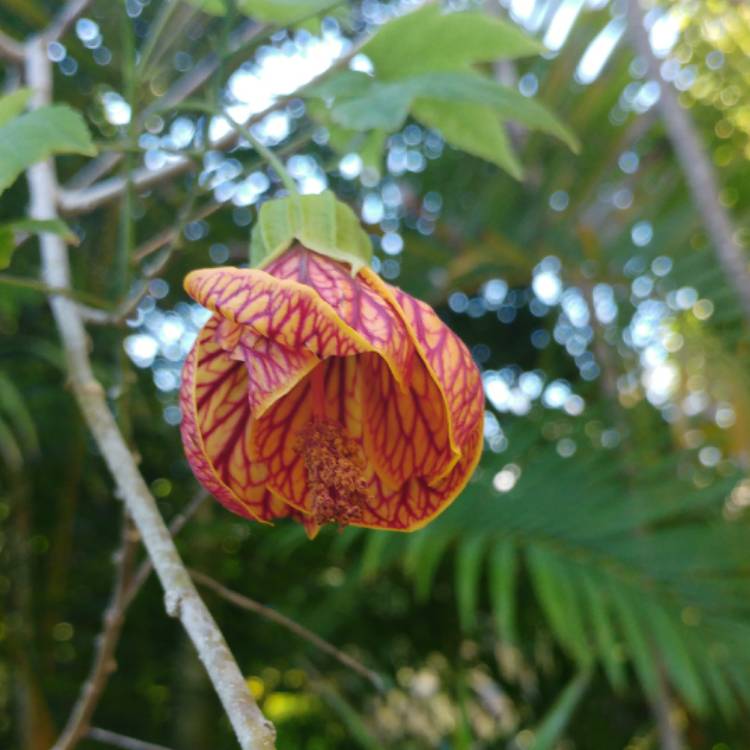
{"x": 327, "y": 396}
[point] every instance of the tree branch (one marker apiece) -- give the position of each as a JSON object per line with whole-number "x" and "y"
{"x": 10, "y": 49}
{"x": 65, "y": 19}
{"x": 184, "y": 87}
{"x": 73, "y": 202}
{"x": 696, "y": 166}
{"x": 104, "y": 659}
{"x": 175, "y": 526}
{"x": 182, "y": 600}
{"x": 251, "y": 605}
{"x": 121, "y": 740}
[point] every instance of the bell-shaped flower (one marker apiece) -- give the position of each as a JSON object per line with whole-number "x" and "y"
{"x": 319, "y": 391}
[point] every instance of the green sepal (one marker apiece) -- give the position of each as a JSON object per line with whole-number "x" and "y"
{"x": 319, "y": 222}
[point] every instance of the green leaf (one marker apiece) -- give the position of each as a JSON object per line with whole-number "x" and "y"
{"x": 9, "y": 231}
{"x": 551, "y": 729}
{"x": 344, "y": 83}
{"x": 459, "y": 86}
{"x": 13, "y": 104}
{"x": 429, "y": 40}
{"x": 319, "y": 222}
{"x": 473, "y": 128}
{"x": 603, "y": 629}
{"x": 468, "y": 574}
{"x": 381, "y": 106}
{"x": 503, "y": 570}
{"x": 362, "y": 104}
{"x": 269, "y": 11}
{"x": 37, "y": 135}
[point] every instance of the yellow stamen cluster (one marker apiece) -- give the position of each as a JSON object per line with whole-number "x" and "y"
{"x": 335, "y": 467}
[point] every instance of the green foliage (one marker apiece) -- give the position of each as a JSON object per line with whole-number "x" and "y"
{"x": 30, "y": 138}
{"x": 429, "y": 40}
{"x": 269, "y": 11}
{"x": 319, "y": 222}
{"x": 554, "y": 724}
{"x": 423, "y": 67}
{"x": 619, "y": 575}
{"x": 574, "y": 593}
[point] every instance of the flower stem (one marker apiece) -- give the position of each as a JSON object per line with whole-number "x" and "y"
{"x": 266, "y": 153}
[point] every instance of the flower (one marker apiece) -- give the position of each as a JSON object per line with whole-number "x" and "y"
{"x": 329, "y": 397}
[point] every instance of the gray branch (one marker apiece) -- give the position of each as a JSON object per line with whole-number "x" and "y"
{"x": 10, "y": 49}
{"x": 120, "y": 740}
{"x": 182, "y": 600}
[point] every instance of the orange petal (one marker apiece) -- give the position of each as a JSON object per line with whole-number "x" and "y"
{"x": 405, "y": 416}
{"x": 358, "y": 305}
{"x": 446, "y": 357}
{"x": 287, "y": 312}
{"x": 406, "y": 433}
{"x": 416, "y": 503}
{"x": 215, "y": 429}
{"x": 274, "y": 435}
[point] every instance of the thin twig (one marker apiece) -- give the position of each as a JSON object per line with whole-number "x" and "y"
{"x": 23, "y": 282}
{"x": 158, "y": 241}
{"x": 696, "y": 166}
{"x": 83, "y": 201}
{"x": 10, "y": 49}
{"x": 121, "y": 740}
{"x": 65, "y": 19}
{"x": 251, "y": 605}
{"x": 104, "y": 658}
{"x": 184, "y": 87}
{"x": 182, "y": 600}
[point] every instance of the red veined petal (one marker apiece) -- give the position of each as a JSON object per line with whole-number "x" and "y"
{"x": 287, "y": 312}
{"x": 274, "y": 442}
{"x": 416, "y": 503}
{"x": 406, "y": 433}
{"x": 403, "y": 508}
{"x": 362, "y": 308}
{"x": 405, "y": 417}
{"x": 215, "y": 427}
{"x": 451, "y": 362}
{"x": 445, "y": 356}
{"x": 273, "y": 370}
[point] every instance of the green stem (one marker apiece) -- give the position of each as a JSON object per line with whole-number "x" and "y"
{"x": 268, "y": 155}
{"x": 271, "y": 159}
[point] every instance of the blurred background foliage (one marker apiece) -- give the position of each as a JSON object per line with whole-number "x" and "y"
{"x": 590, "y": 588}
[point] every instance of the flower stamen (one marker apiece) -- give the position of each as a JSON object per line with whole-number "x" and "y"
{"x": 335, "y": 465}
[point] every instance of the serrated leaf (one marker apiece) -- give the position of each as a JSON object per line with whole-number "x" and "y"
{"x": 386, "y": 106}
{"x": 430, "y": 40}
{"x": 11, "y": 105}
{"x": 37, "y": 135}
{"x": 457, "y": 86}
{"x": 9, "y": 231}
{"x": 473, "y": 128}
{"x": 319, "y": 222}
